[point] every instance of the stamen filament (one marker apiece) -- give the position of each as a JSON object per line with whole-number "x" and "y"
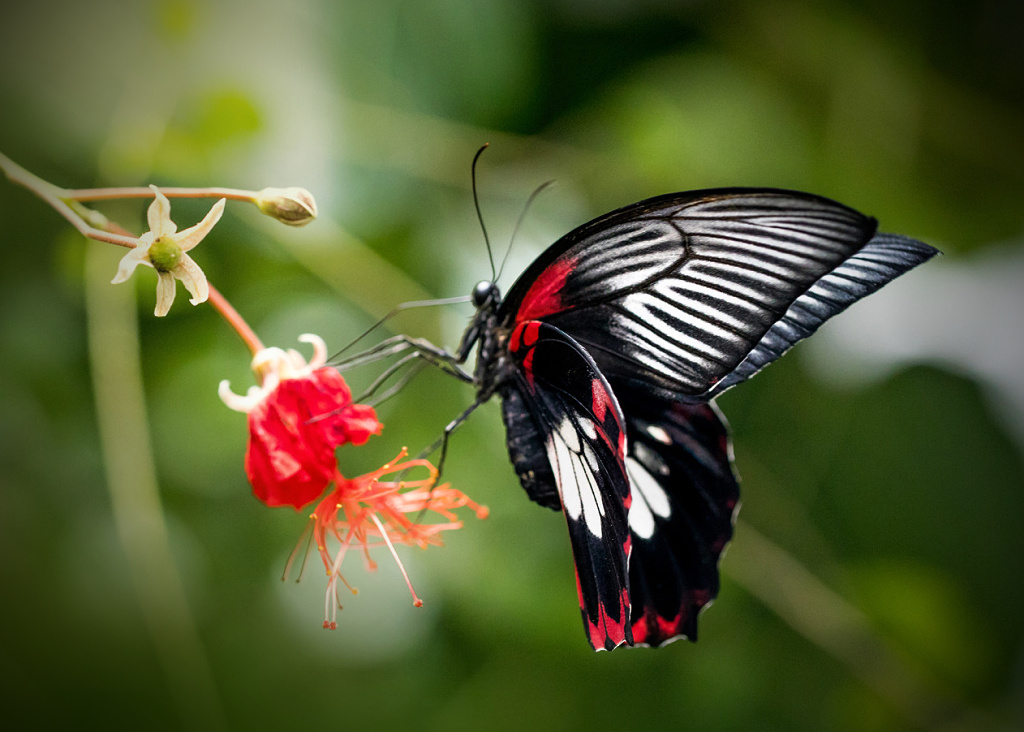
{"x": 307, "y": 539}
{"x": 331, "y": 611}
{"x": 416, "y": 601}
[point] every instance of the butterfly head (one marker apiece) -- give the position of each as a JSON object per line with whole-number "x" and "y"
{"x": 485, "y": 295}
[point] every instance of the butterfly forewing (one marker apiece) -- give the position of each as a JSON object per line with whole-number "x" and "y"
{"x": 571, "y": 424}
{"x": 682, "y": 288}
{"x": 881, "y": 260}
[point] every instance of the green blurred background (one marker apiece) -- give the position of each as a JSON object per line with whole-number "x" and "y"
{"x": 875, "y": 579}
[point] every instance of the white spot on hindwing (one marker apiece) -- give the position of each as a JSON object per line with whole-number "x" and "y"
{"x": 567, "y": 432}
{"x": 641, "y": 522}
{"x": 650, "y": 459}
{"x": 575, "y": 466}
{"x": 649, "y": 498}
{"x": 659, "y": 434}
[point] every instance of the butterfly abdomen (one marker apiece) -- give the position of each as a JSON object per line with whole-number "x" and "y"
{"x": 526, "y": 451}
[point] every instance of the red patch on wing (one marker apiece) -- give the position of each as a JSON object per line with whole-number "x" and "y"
{"x": 607, "y": 633}
{"x": 515, "y": 342}
{"x": 528, "y": 366}
{"x": 601, "y": 403}
{"x": 525, "y": 336}
{"x": 545, "y": 294}
{"x": 653, "y": 629}
{"x": 600, "y": 399}
{"x": 530, "y": 331}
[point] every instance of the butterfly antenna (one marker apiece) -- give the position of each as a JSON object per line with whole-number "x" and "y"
{"x": 396, "y": 310}
{"x": 480, "y": 216}
{"x": 519, "y": 223}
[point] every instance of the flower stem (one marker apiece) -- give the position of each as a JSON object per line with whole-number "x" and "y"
{"x": 236, "y": 321}
{"x": 57, "y": 199}
{"x": 109, "y": 194}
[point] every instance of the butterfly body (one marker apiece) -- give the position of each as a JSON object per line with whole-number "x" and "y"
{"x": 608, "y": 351}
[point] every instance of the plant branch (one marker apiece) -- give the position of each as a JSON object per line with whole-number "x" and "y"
{"x": 58, "y": 200}
{"x": 228, "y": 312}
{"x": 109, "y": 194}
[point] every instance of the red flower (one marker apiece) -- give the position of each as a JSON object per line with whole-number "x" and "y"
{"x": 297, "y": 418}
{"x": 367, "y": 511}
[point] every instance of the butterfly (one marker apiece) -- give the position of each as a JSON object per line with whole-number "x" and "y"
{"x": 607, "y": 354}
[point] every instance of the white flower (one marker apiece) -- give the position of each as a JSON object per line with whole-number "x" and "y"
{"x": 163, "y": 248}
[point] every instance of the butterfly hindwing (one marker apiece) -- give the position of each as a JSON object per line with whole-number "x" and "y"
{"x": 570, "y": 428}
{"x": 684, "y": 499}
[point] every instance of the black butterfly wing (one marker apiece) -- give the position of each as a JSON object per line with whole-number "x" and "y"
{"x": 692, "y": 292}
{"x": 566, "y": 427}
{"x": 680, "y": 498}
{"x": 884, "y": 258}
{"x": 673, "y": 300}
{"x": 684, "y": 497}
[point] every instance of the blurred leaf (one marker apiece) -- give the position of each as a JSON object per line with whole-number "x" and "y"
{"x": 224, "y": 115}
{"x": 175, "y": 19}
{"x": 926, "y": 614}
{"x": 213, "y": 125}
{"x": 699, "y": 121}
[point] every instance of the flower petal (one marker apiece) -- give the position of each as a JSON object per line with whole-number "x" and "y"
{"x": 319, "y": 357}
{"x": 159, "y": 215}
{"x": 195, "y": 234}
{"x": 278, "y": 479}
{"x": 164, "y": 293}
{"x": 238, "y": 402}
{"x": 287, "y": 465}
{"x": 129, "y": 262}
{"x": 295, "y": 425}
{"x": 193, "y": 278}
{"x": 359, "y": 423}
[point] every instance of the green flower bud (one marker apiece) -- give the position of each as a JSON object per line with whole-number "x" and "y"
{"x": 292, "y": 206}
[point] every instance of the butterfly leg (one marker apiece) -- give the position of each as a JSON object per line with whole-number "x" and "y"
{"x": 434, "y": 355}
{"x": 385, "y": 349}
{"x": 448, "y": 368}
{"x": 388, "y": 373}
{"x": 442, "y": 442}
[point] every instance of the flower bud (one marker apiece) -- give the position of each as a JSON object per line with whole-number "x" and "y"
{"x": 292, "y": 206}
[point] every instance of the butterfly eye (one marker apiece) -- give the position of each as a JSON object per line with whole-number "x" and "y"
{"x": 483, "y": 292}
